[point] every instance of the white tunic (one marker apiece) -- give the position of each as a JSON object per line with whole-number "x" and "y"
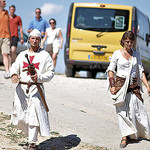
{"x": 28, "y": 108}
{"x": 123, "y": 64}
{"x": 132, "y": 115}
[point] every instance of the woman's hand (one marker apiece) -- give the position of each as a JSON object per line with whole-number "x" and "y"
{"x": 148, "y": 90}
{"x": 42, "y": 47}
{"x": 60, "y": 47}
{"x": 146, "y": 83}
{"x": 112, "y": 90}
{"x": 15, "y": 78}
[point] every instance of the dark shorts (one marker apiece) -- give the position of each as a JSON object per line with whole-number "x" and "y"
{"x": 52, "y": 49}
{"x": 14, "y": 41}
{"x": 49, "y": 48}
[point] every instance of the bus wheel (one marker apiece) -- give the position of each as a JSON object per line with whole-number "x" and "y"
{"x": 70, "y": 72}
{"x": 91, "y": 74}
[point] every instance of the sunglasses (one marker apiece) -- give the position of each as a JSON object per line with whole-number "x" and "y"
{"x": 52, "y": 22}
{"x": 37, "y": 12}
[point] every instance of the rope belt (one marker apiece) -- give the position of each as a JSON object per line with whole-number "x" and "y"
{"x": 29, "y": 84}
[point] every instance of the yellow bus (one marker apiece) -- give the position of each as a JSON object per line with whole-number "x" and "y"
{"x": 94, "y": 31}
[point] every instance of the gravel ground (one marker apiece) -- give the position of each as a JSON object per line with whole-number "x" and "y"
{"x": 13, "y": 138}
{"x": 81, "y": 111}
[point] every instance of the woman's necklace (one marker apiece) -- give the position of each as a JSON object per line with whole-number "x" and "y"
{"x": 127, "y": 55}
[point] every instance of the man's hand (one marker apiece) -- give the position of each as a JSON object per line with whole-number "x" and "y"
{"x": 29, "y": 30}
{"x": 34, "y": 77}
{"x": 21, "y": 41}
{"x": 15, "y": 78}
{"x": 42, "y": 33}
{"x": 31, "y": 69}
{"x": 10, "y": 40}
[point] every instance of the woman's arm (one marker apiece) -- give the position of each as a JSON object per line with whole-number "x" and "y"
{"x": 146, "y": 83}
{"x": 61, "y": 39}
{"x": 141, "y": 73}
{"x": 111, "y": 82}
{"x": 111, "y": 72}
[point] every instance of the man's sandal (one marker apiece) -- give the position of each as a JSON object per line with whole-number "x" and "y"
{"x": 123, "y": 145}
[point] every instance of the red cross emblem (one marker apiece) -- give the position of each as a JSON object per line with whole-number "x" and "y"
{"x": 25, "y": 65}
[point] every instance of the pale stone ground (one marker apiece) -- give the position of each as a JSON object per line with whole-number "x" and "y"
{"x": 11, "y": 138}
{"x": 81, "y": 111}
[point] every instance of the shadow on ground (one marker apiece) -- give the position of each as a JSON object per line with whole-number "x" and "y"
{"x": 60, "y": 143}
{"x": 132, "y": 141}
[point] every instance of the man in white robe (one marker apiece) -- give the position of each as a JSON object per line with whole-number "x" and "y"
{"x": 29, "y": 112}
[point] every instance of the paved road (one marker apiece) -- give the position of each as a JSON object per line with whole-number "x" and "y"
{"x": 78, "y": 106}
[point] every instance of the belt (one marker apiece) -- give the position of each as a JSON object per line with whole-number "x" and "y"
{"x": 134, "y": 87}
{"x": 29, "y": 84}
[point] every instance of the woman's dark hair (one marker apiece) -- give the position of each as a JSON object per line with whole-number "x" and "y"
{"x": 12, "y": 6}
{"x": 129, "y": 35}
{"x": 53, "y": 20}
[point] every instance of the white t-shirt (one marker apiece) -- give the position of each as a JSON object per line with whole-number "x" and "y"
{"x": 52, "y": 35}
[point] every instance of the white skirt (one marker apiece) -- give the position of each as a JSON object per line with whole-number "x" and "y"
{"x": 133, "y": 118}
{"x": 28, "y": 110}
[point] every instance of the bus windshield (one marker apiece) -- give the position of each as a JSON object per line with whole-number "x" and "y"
{"x": 102, "y": 20}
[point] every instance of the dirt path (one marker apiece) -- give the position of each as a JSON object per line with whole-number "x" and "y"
{"x": 13, "y": 139}
{"x": 81, "y": 111}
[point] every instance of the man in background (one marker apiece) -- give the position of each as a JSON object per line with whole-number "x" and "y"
{"x": 38, "y": 23}
{"x": 5, "y": 37}
{"x": 15, "y": 22}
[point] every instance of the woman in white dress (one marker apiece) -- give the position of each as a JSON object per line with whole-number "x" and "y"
{"x": 54, "y": 40}
{"x": 132, "y": 115}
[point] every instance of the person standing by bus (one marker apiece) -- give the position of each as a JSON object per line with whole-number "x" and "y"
{"x": 5, "y": 37}
{"x": 38, "y": 23}
{"x": 14, "y": 22}
{"x": 54, "y": 40}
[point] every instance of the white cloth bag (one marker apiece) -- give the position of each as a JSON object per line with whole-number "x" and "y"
{"x": 120, "y": 96}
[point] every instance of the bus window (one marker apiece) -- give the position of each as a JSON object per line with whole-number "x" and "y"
{"x": 140, "y": 22}
{"x": 96, "y": 19}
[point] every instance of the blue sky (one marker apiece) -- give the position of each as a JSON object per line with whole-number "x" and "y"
{"x": 59, "y": 9}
